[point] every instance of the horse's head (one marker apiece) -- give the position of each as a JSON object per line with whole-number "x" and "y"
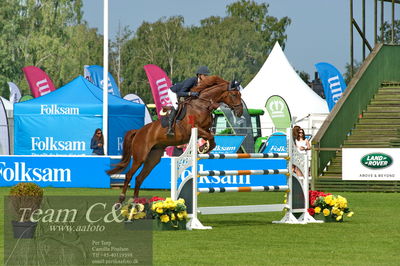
{"x": 219, "y": 91}
{"x": 233, "y": 98}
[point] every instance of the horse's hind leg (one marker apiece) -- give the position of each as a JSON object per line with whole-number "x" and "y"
{"x": 128, "y": 177}
{"x": 152, "y": 160}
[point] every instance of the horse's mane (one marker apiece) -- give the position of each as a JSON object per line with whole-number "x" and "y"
{"x": 208, "y": 82}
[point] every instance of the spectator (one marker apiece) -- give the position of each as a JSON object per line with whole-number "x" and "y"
{"x": 97, "y": 142}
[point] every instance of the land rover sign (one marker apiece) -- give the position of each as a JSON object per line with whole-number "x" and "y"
{"x": 371, "y": 164}
{"x": 376, "y": 160}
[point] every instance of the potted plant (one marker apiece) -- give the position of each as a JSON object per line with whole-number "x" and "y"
{"x": 25, "y": 198}
{"x": 328, "y": 207}
{"x": 169, "y": 214}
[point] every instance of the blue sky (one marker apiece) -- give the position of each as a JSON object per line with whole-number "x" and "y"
{"x": 319, "y": 31}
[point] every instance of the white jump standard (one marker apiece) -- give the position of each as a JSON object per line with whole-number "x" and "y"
{"x": 297, "y": 187}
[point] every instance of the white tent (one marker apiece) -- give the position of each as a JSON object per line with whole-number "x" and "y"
{"x": 277, "y": 77}
{"x": 8, "y": 106}
{"x": 6, "y": 122}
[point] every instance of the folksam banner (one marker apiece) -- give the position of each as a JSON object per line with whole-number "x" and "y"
{"x": 333, "y": 83}
{"x": 159, "y": 84}
{"x": 95, "y": 74}
{"x": 276, "y": 143}
{"x": 38, "y": 81}
{"x": 55, "y": 171}
{"x": 227, "y": 144}
{"x": 279, "y": 112}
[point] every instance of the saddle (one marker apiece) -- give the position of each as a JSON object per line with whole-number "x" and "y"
{"x": 166, "y": 112}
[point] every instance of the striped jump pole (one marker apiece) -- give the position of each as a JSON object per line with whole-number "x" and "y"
{"x": 243, "y": 189}
{"x": 243, "y": 172}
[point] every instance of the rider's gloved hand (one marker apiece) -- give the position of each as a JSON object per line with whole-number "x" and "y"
{"x": 194, "y": 94}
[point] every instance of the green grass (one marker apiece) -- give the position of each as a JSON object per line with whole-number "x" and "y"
{"x": 370, "y": 237}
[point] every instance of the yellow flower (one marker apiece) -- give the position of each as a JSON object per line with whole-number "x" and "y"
{"x": 159, "y": 204}
{"x": 182, "y": 215}
{"x": 339, "y": 218}
{"x": 328, "y": 199}
{"x": 172, "y": 205}
{"x": 173, "y": 218}
{"x": 182, "y": 201}
{"x": 326, "y": 212}
{"x": 350, "y": 214}
{"x": 342, "y": 202}
{"x": 140, "y": 215}
{"x": 164, "y": 218}
{"x": 168, "y": 200}
{"x": 335, "y": 211}
{"x": 124, "y": 213}
{"x": 333, "y": 202}
{"x": 317, "y": 209}
{"x": 159, "y": 210}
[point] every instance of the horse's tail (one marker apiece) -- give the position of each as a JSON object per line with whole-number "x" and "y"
{"x": 126, "y": 155}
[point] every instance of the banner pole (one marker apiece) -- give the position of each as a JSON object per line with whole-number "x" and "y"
{"x": 105, "y": 76}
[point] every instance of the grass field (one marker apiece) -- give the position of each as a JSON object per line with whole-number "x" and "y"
{"x": 370, "y": 237}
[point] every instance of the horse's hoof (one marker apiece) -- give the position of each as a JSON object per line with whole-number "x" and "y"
{"x": 117, "y": 205}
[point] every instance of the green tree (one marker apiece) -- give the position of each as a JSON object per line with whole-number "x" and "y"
{"x": 234, "y": 46}
{"x": 154, "y": 43}
{"x": 49, "y": 34}
{"x": 387, "y": 33}
{"x": 123, "y": 35}
{"x": 272, "y": 29}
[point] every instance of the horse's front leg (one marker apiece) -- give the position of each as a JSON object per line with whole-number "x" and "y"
{"x": 209, "y": 137}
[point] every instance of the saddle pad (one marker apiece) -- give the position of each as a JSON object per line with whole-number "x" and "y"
{"x": 180, "y": 116}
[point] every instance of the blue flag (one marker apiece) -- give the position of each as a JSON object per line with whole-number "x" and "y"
{"x": 95, "y": 75}
{"x": 333, "y": 83}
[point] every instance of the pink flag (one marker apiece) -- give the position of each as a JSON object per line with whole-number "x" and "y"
{"x": 38, "y": 81}
{"x": 160, "y": 84}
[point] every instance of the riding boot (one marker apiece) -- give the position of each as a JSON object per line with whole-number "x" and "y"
{"x": 171, "y": 117}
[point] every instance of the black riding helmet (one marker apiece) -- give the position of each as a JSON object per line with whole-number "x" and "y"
{"x": 203, "y": 70}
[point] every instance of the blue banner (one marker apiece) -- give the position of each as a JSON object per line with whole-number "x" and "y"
{"x": 96, "y": 77}
{"x": 160, "y": 177}
{"x": 227, "y": 144}
{"x": 333, "y": 83}
{"x": 55, "y": 171}
{"x": 276, "y": 143}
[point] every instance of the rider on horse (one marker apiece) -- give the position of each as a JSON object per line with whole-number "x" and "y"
{"x": 182, "y": 90}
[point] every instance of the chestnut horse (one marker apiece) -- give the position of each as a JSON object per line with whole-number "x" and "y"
{"x": 146, "y": 145}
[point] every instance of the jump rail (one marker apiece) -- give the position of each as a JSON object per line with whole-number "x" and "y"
{"x": 297, "y": 186}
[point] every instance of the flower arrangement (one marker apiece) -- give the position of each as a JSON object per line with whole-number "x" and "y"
{"x": 169, "y": 210}
{"x": 25, "y": 196}
{"x": 331, "y": 206}
{"x": 138, "y": 208}
{"x": 133, "y": 211}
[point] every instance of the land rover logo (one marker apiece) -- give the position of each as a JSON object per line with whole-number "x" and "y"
{"x": 376, "y": 160}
